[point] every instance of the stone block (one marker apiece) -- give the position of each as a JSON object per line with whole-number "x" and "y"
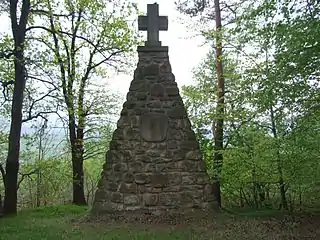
{"x": 141, "y": 96}
{"x": 159, "y": 180}
{"x": 178, "y": 103}
{"x": 172, "y": 144}
{"x": 128, "y": 177}
{"x": 201, "y": 166}
{"x": 142, "y": 188}
{"x": 109, "y": 159}
{"x": 113, "y": 145}
{"x": 166, "y": 78}
{"x": 167, "y": 104}
{"x": 150, "y": 199}
{"x": 188, "y": 179}
{"x": 165, "y": 68}
{"x": 208, "y": 189}
{"x": 150, "y": 70}
{"x": 171, "y": 166}
{"x": 161, "y": 167}
{"x": 202, "y": 178}
{"x": 175, "y": 154}
{"x": 137, "y": 76}
{"x": 187, "y": 166}
{"x": 112, "y": 186}
{"x": 118, "y": 134}
{"x": 193, "y": 155}
{"x": 138, "y": 112}
{"x": 191, "y": 187}
{"x": 110, "y": 207}
{"x": 144, "y": 159}
{"x": 131, "y": 200}
{"x": 172, "y": 189}
{"x": 160, "y": 146}
{"x": 142, "y": 178}
{"x": 134, "y": 121}
{"x": 130, "y": 134}
{"x": 116, "y": 197}
{"x": 102, "y": 193}
{"x": 150, "y": 167}
{"x": 154, "y": 127}
{"x": 135, "y": 166}
{"x": 130, "y": 104}
{"x": 154, "y": 190}
{"x": 157, "y": 90}
{"x": 158, "y": 110}
{"x": 174, "y": 178}
{"x": 177, "y": 113}
{"x": 189, "y": 145}
{"x": 172, "y": 91}
{"x": 137, "y": 85}
{"x": 131, "y": 208}
{"x": 123, "y": 121}
{"x": 169, "y": 199}
{"x": 154, "y": 104}
{"x": 124, "y": 112}
{"x": 191, "y": 136}
{"x": 175, "y": 135}
{"x": 119, "y": 167}
{"x": 153, "y": 153}
{"x": 187, "y": 197}
{"x": 128, "y": 188}
{"x": 131, "y": 97}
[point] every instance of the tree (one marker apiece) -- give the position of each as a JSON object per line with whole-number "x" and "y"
{"x": 95, "y": 37}
{"x": 18, "y": 26}
{"x": 196, "y": 8}
{"x": 286, "y": 84}
{"x": 274, "y": 89}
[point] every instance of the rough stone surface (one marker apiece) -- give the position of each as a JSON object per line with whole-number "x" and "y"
{"x": 154, "y": 163}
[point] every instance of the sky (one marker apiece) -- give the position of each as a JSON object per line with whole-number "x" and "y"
{"x": 185, "y": 50}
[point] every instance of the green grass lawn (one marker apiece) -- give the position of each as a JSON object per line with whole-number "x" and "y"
{"x": 59, "y": 223}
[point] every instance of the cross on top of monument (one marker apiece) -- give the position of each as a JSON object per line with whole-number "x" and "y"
{"x": 153, "y": 23}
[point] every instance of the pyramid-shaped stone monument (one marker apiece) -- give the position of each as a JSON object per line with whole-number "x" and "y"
{"x": 154, "y": 163}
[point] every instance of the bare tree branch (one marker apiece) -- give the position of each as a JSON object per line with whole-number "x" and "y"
{"x": 24, "y": 175}
{"x": 6, "y": 55}
{"x": 44, "y": 12}
{"x": 93, "y": 154}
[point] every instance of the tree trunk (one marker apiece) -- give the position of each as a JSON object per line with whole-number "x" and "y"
{"x": 12, "y": 162}
{"x": 78, "y": 182}
{"x": 78, "y": 173}
{"x": 1, "y": 209}
{"x": 218, "y": 131}
{"x": 241, "y": 198}
{"x": 284, "y": 203}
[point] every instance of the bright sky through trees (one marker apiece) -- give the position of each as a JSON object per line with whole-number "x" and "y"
{"x": 185, "y": 49}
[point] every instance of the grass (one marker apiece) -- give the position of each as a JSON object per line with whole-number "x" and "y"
{"x": 56, "y": 223}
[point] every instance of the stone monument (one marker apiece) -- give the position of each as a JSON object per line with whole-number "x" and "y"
{"x": 154, "y": 163}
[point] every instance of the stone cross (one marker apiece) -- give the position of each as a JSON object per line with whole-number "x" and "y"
{"x": 153, "y": 23}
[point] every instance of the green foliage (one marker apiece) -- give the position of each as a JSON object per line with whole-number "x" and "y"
{"x": 272, "y": 112}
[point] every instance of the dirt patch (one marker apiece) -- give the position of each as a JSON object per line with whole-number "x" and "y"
{"x": 221, "y": 226}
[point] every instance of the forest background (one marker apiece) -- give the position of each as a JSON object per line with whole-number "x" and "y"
{"x": 254, "y": 98}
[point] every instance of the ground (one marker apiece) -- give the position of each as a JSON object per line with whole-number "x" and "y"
{"x": 62, "y": 222}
